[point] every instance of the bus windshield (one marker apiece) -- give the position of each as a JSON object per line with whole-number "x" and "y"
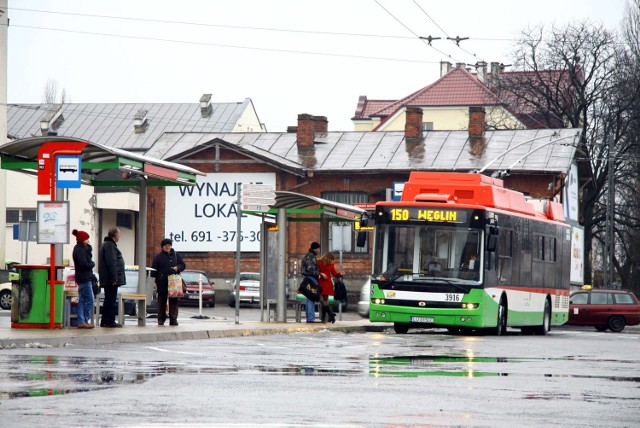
{"x": 433, "y": 251}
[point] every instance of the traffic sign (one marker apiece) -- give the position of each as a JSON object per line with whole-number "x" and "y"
{"x": 258, "y": 201}
{"x": 252, "y": 194}
{"x": 257, "y": 188}
{"x": 250, "y": 207}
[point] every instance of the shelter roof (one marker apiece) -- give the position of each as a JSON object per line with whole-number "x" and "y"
{"x": 97, "y": 159}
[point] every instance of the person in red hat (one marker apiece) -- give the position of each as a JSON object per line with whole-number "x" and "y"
{"x": 83, "y": 264}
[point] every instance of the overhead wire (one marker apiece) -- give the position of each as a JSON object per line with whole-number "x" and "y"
{"x": 188, "y": 42}
{"x": 200, "y": 24}
{"x": 413, "y": 32}
{"x": 445, "y": 33}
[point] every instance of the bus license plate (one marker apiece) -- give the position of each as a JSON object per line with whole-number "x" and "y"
{"x": 427, "y": 320}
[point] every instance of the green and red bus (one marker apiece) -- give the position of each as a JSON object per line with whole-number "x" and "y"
{"x": 463, "y": 252}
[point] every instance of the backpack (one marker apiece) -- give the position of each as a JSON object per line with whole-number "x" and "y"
{"x": 339, "y": 290}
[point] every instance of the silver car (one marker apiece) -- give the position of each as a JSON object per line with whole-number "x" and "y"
{"x": 249, "y": 288}
{"x": 365, "y": 298}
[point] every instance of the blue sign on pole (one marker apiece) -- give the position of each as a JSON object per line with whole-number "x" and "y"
{"x": 16, "y": 232}
{"x": 68, "y": 172}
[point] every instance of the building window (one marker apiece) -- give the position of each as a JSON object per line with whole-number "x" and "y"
{"x": 123, "y": 220}
{"x": 427, "y": 126}
{"x": 342, "y": 235}
{"x": 18, "y": 215}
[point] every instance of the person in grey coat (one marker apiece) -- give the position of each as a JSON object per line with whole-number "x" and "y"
{"x": 112, "y": 276}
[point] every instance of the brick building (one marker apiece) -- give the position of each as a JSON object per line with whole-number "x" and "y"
{"x": 352, "y": 168}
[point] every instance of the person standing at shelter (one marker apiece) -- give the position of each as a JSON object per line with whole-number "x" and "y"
{"x": 166, "y": 262}
{"x": 311, "y": 273}
{"x": 327, "y": 270}
{"x": 83, "y": 264}
{"x": 112, "y": 276}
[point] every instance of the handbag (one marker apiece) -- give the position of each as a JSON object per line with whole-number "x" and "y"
{"x": 339, "y": 290}
{"x": 95, "y": 286}
{"x": 310, "y": 290}
{"x": 175, "y": 286}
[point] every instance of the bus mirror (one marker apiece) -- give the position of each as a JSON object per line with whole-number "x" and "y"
{"x": 364, "y": 220}
{"x": 361, "y": 239}
{"x": 492, "y": 240}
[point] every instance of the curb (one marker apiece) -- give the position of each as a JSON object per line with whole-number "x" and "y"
{"x": 124, "y": 336}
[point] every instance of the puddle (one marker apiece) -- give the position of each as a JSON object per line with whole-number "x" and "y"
{"x": 33, "y": 376}
{"x": 466, "y": 366}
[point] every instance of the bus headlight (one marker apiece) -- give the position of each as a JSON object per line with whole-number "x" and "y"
{"x": 378, "y": 301}
{"x": 470, "y": 305}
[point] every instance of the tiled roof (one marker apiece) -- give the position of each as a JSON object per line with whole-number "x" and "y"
{"x": 456, "y": 88}
{"x": 113, "y": 124}
{"x": 376, "y": 152}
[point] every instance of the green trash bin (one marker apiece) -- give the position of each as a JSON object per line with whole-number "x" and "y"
{"x": 31, "y": 298}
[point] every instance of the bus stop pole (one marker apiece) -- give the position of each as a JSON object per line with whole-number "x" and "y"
{"x": 281, "y": 303}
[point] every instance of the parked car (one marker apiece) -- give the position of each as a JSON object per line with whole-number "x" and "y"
{"x": 192, "y": 279}
{"x": 249, "y": 288}
{"x": 131, "y": 274}
{"x": 5, "y": 296}
{"x": 365, "y": 299}
{"x": 604, "y": 309}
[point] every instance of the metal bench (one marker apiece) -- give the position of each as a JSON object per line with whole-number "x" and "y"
{"x": 272, "y": 309}
{"x": 141, "y": 307}
{"x": 68, "y": 316}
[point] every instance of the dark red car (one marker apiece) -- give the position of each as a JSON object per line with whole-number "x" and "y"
{"x": 604, "y": 309}
{"x": 192, "y": 280}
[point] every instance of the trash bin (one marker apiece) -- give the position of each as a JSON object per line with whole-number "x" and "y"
{"x": 31, "y": 298}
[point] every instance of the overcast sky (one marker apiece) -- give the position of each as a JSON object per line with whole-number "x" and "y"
{"x": 288, "y": 56}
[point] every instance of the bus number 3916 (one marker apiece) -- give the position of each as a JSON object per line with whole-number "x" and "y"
{"x": 451, "y": 297}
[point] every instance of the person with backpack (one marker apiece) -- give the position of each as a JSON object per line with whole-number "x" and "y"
{"x": 327, "y": 271}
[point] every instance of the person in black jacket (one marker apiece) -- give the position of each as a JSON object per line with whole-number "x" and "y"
{"x": 83, "y": 264}
{"x": 166, "y": 262}
{"x": 112, "y": 276}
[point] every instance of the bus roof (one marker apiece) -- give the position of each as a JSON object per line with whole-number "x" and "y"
{"x": 475, "y": 189}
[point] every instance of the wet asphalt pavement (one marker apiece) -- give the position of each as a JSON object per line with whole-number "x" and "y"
{"x": 572, "y": 377}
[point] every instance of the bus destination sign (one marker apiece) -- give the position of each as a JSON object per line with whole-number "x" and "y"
{"x": 426, "y": 214}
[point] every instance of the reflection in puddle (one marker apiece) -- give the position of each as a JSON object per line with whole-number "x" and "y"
{"x": 31, "y": 376}
{"x": 463, "y": 366}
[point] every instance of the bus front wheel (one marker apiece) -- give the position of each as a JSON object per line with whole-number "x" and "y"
{"x": 400, "y": 328}
{"x": 501, "y": 328}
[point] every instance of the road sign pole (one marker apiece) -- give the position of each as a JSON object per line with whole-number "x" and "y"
{"x": 238, "y": 252}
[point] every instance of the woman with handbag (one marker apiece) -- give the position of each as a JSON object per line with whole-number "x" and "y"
{"x": 83, "y": 264}
{"x": 311, "y": 274}
{"x": 327, "y": 271}
{"x": 167, "y": 263}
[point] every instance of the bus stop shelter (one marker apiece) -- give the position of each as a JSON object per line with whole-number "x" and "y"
{"x": 292, "y": 207}
{"x": 38, "y": 156}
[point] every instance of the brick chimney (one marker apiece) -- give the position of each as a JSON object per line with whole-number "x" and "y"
{"x": 413, "y": 124}
{"x": 476, "y": 130}
{"x": 308, "y": 125}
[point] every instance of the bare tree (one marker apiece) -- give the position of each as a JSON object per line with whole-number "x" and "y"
{"x": 578, "y": 76}
{"x": 51, "y": 93}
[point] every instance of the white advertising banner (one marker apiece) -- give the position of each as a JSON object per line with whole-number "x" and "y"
{"x": 204, "y": 217}
{"x": 577, "y": 255}
{"x": 571, "y": 194}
